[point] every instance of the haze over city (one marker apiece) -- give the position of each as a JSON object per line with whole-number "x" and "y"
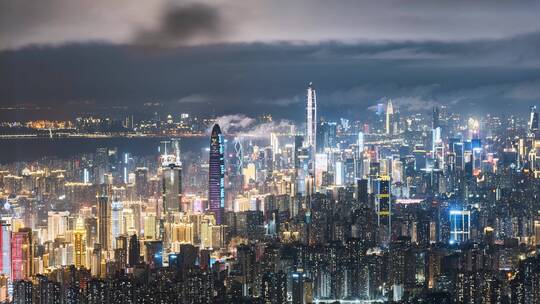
{"x": 253, "y": 58}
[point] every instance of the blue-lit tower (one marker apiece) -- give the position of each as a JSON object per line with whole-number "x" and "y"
{"x": 216, "y": 183}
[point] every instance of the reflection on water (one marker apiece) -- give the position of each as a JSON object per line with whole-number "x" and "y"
{"x": 35, "y": 148}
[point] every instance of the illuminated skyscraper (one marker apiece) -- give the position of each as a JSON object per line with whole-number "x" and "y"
{"x": 321, "y": 165}
{"x": 216, "y": 182}
{"x": 149, "y": 224}
{"x": 104, "y": 222}
{"x": 397, "y": 170}
{"x": 57, "y": 224}
{"x": 117, "y": 221}
{"x": 389, "y": 118}
{"x": 274, "y": 142}
{"x": 437, "y": 150}
{"x": 171, "y": 176}
{"x": 239, "y": 157}
{"x": 126, "y": 162}
{"x": 172, "y": 187}
{"x": 533, "y": 120}
{"x": 79, "y": 243}
{"x": 21, "y": 254}
{"x": 339, "y": 173}
{"x": 384, "y": 208}
{"x": 360, "y": 143}
{"x": 311, "y": 136}
{"x": 311, "y": 126}
{"x": 235, "y": 167}
{"x": 5, "y": 244}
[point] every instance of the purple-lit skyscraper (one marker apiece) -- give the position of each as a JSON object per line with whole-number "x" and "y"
{"x": 216, "y": 183}
{"x": 5, "y": 244}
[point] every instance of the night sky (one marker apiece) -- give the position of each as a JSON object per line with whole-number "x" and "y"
{"x": 254, "y": 57}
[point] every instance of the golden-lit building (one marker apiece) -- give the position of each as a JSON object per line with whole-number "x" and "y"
{"x": 183, "y": 233}
{"x": 150, "y": 227}
{"x": 79, "y": 244}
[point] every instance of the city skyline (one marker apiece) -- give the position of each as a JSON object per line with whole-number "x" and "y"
{"x": 269, "y": 152}
{"x": 398, "y": 191}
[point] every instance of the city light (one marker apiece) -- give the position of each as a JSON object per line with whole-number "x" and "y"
{"x": 269, "y": 152}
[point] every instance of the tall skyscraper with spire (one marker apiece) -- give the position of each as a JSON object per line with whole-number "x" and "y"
{"x": 389, "y": 118}
{"x": 311, "y": 126}
{"x": 311, "y": 136}
{"x": 216, "y": 182}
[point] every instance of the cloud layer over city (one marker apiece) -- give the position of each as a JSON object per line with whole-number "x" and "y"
{"x": 256, "y": 57}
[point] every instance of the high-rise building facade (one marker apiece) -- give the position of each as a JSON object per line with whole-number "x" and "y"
{"x": 533, "y": 120}
{"x": 79, "y": 243}
{"x": 117, "y": 221}
{"x": 216, "y": 172}
{"x": 171, "y": 176}
{"x": 134, "y": 250}
{"x": 141, "y": 181}
{"x": 311, "y": 123}
{"x": 389, "y": 118}
{"x": 460, "y": 225}
{"x": 5, "y": 243}
{"x": 104, "y": 222}
{"x": 311, "y": 137}
{"x": 172, "y": 187}
{"x": 21, "y": 254}
{"x": 384, "y": 208}
{"x": 57, "y": 224}
{"x": 435, "y": 118}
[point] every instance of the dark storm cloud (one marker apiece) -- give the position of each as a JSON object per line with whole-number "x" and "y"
{"x": 259, "y": 78}
{"x": 55, "y": 22}
{"x": 183, "y": 24}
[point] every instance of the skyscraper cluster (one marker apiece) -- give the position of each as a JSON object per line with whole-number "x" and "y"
{"x": 395, "y": 207}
